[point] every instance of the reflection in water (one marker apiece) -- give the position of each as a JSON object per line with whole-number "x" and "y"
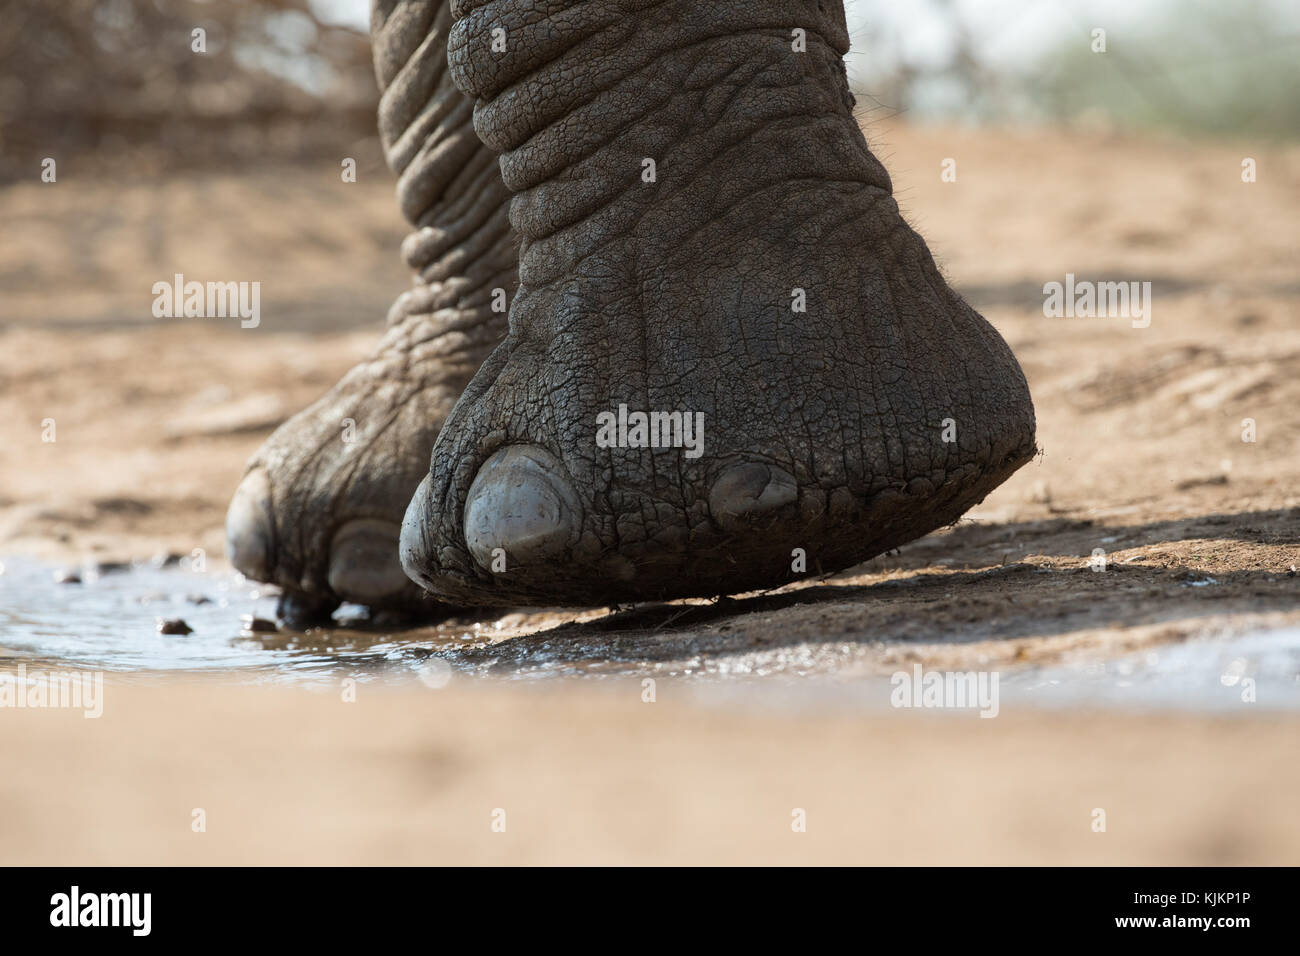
{"x": 109, "y": 622}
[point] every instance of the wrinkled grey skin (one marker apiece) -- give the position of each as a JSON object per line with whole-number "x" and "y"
{"x": 320, "y": 516}
{"x": 823, "y": 430}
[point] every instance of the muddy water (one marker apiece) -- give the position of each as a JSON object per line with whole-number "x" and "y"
{"x": 109, "y": 621}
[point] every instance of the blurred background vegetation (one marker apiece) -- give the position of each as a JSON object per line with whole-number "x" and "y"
{"x": 1193, "y": 67}
{"x": 117, "y": 83}
{"x": 108, "y": 83}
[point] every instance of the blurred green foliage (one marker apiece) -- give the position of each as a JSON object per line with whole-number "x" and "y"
{"x": 1205, "y": 68}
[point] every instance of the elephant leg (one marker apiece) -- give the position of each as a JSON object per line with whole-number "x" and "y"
{"x": 319, "y": 509}
{"x": 729, "y": 357}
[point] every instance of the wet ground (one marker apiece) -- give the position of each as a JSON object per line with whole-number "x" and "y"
{"x": 117, "y": 619}
{"x": 688, "y": 733}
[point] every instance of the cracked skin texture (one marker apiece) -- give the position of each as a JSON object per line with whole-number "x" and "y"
{"x": 319, "y": 515}
{"x": 824, "y": 429}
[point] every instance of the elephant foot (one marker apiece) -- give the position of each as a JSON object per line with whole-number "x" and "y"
{"x": 320, "y": 507}
{"x": 730, "y": 360}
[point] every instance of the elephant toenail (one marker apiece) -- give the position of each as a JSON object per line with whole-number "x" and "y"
{"x": 521, "y": 509}
{"x": 250, "y": 527}
{"x": 364, "y": 565}
{"x": 411, "y": 547}
{"x": 746, "y": 492}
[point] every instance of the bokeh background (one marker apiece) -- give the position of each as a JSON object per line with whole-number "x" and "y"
{"x": 116, "y": 81}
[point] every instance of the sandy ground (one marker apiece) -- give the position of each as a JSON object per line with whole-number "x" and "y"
{"x": 591, "y": 774}
{"x": 1141, "y": 431}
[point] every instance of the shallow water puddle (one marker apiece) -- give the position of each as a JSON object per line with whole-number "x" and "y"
{"x": 1261, "y": 668}
{"x": 110, "y": 621}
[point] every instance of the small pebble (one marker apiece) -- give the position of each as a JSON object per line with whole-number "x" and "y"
{"x": 65, "y": 576}
{"x": 198, "y": 599}
{"x": 173, "y": 625}
{"x": 250, "y": 623}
